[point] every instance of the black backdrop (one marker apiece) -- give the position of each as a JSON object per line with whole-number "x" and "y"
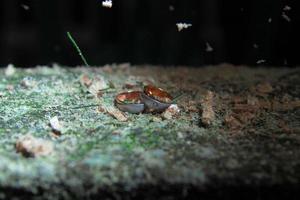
{"x": 144, "y": 32}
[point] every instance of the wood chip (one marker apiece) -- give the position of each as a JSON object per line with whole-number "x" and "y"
{"x": 97, "y": 86}
{"x": 244, "y": 110}
{"x": 30, "y": 146}
{"x": 85, "y": 80}
{"x": 232, "y": 122}
{"x": 264, "y": 104}
{"x": 116, "y": 113}
{"x": 101, "y": 109}
{"x": 190, "y": 106}
{"x": 265, "y": 88}
{"x": 208, "y": 113}
{"x": 290, "y": 105}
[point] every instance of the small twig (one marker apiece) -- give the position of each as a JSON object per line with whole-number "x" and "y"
{"x": 77, "y": 48}
{"x": 84, "y": 106}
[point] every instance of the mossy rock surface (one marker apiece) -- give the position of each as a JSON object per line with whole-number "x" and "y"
{"x": 253, "y": 141}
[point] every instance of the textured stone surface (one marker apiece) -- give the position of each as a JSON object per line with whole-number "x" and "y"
{"x": 253, "y": 141}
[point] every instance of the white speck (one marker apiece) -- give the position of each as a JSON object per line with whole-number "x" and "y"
{"x": 255, "y": 46}
{"x": 10, "y": 70}
{"x": 287, "y": 18}
{"x": 107, "y": 3}
{"x": 270, "y": 20}
{"x": 28, "y": 82}
{"x": 208, "y": 47}
{"x": 171, "y": 112}
{"x": 287, "y": 8}
{"x": 181, "y": 26}
{"x": 260, "y": 61}
{"x": 55, "y": 124}
{"x": 25, "y": 7}
{"x": 174, "y": 107}
{"x": 242, "y": 9}
{"x": 180, "y": 135}
{"x": 171, "y": 8}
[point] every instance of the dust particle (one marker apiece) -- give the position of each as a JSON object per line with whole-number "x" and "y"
{"x": 181, "y": 26}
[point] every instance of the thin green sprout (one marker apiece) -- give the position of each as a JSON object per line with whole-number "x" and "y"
{"x": 77, "y": 48}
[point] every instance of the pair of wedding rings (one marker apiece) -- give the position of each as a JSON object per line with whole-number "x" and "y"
{"x": 151, "y": 99}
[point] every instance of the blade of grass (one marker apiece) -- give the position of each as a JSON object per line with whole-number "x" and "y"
{"x": 175, "y": 99}
{"x": 77, "y": 48}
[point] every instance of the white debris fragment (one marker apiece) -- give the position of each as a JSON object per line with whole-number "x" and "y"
{"x": 56, "y": 125}
{"x": 98, "y": 85}
{"x": 30, "y": 146}
{"x": 10, "y": 70}
{"x": 208, "y": 47}
{"x": 107, "y": 4}
{"x": 287, "y": 8}
{"x": 260, "y": 61}
{"x": 270, "y": 20}
{"x": 287, "y": 18}
{"x": 180, "y": 135}
{"x": 181, "y": 26}
{"x": 25, "y": 7}
{"x": 28, "y": 82}
{"x": 255, "y": 46}
{"x": 171, "y": 112}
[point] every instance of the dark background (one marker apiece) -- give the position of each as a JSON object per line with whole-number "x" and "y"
{"x": 144, "y": 32}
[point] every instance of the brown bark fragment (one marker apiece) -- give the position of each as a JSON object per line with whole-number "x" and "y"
{"x": 85, "y": 80}
{"x": 120, "y": 116}
{"x": 264, "y": 88}
{"x": 208, "y": 113}
{"x": 30, "y": 146}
